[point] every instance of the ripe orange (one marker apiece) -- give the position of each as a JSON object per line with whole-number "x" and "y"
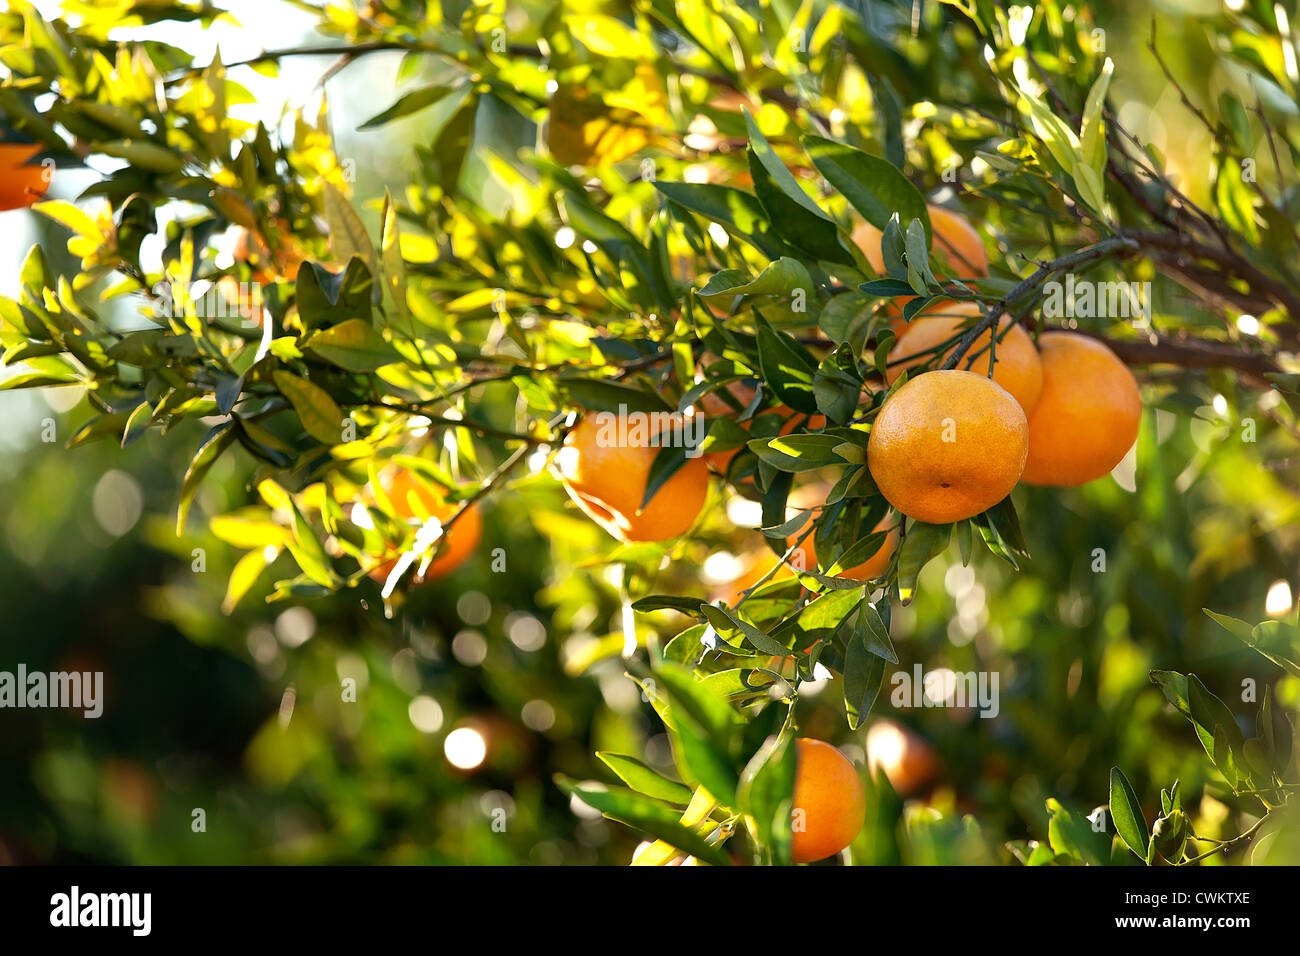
{"x": 608, "y": 481}
{"x": 1017, "y": 367}
{"x": 907, "y": 760}
{"x": 20, "y": 184}
{"x": 947, "y": 445}
{"x": 1087, "y": 417}
{"x": 829, "y": 803}
{"x": 411, "y": 499}
{"x": 952, "y": 237}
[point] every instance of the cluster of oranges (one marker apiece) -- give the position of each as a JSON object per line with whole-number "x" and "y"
{"x": 946, "y": 446}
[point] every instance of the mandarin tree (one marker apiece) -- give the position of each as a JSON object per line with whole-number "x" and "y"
{"x": 662, "y": 267}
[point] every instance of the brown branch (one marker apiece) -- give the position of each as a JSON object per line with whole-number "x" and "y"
{"x": 1187, "y": 353}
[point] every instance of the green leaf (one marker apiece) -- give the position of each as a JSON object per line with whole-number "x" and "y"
{"x": 661, "y": 602}
{"x": 320, "y": 415}
{"x": 766, "y": 792}
{"x": 410, "y": 103}
{"x": 787, "y": 367}
{"x": 644, "y": 780}
{"x": 723, "y": 619}
{"x": 308, "y": 551}
{"x": 846, "y": 319}
{"x": 1074, "y": 836}
{"x": 1279, "y": 641}
{"x": 837, "y": 385}
{"x": 795, "y": 453}
{"x": 741, "y": 214}
{"x": 668, "y": 461}
{"x": 919, "y": 275}
{"x": 604, "y": 395}
{"x": 781, "y": 277}
{"x": 921, "y": 543}
{"x": 355, "y": 345}
{"x": 873, "y": 186}
{"x": 348, "y": 236}
{"x": 864, "y": 672}
{"x": 645, "y": 814}
{"x": 802, "y": 222}
{"x": 1092, "y": 138}
{"x": 1126, "y": 811}
{"x": 214, "y": 443}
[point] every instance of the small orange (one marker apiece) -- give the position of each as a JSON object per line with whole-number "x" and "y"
{"x": 947, "y": 445}
{"x": 1087, "y": 417}
{"x": 411, "y": 499}
{"x": 608, "y": 480}
{"x": 21, "y": 183}
{"x": 907, "y": 760}
{"x": 829, "y": 805}
{"x": 1016, "y": 365}
{"x": 955, "y": 239}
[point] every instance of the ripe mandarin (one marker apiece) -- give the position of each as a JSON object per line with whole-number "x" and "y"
{"x": 947, "y": 445}
{"x": 1087, "y": 416}
{"x": 829, "y": 803}
{"x": 413, "y": 499}
{"x": 605, "y": 464}
{"x": 1016, "y": 367}
{"x": 21, "y": 183}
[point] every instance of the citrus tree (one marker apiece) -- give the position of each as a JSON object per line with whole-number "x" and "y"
{"x": 660, "y": 265}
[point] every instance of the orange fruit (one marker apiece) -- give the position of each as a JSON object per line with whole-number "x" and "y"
{"x": 907, "y": 760}
{"x": 412, "y": 499}
{"x": 829, "y": 806}
{"x": 608, "y": 480}
{"x": 1087, "y": 416}
{"x": 947, "y": 445}
{"x": 952, "y": 237}
{"x": 1016, "y": 367}
{"x": 21, "y": 184}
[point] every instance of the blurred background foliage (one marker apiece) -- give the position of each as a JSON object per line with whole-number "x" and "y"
{"x": 242, "y": 713}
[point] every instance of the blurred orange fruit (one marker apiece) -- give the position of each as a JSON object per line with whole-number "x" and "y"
{"x": 1017, "y": 367}
{"x": 829, "y": 803}
{"x": 947, "y": 445}
{"x": 608, "y": 481}
{"x": 20, "y": 184}
{"x": 412, "y": 499}
{"x": 906, "y": 759}
{"x": 1087, "y": 417}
